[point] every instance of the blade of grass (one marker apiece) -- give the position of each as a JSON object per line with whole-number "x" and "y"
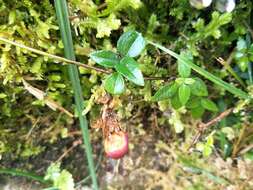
{"x": 62, "y": 16}
{"x": 250, "y": 72}
{"x": 214, "y": 178}
{"x": 232, "y": 89}
{"x": 29, "y": 175}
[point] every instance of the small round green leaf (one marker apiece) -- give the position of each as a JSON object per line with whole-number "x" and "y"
{"x": 175, "y": 102}
{"x": 209, "y": 105}
{"x": 184, "y": 93}
{"x": 129, "y": 68}
{"x": 131, "y": 44}
{"x": 105, "y": 58}
{"x": 197, "y": 112}
{"x": 198, "y": 88}
{"x": 193, "y": 102}
{"x": 165, "y": 92}
{"x": 114, "y": 84}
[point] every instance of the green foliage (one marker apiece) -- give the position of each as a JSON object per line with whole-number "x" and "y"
{"x": 194, "y": 85}
{"x": 184, "y": 93}
{"x": 128, "y": 67}
{"x": 104, "y": 21}
{"x": 129, "y": 45}
{"x": 243, "y": 54}
{"x": 114, "y": 83}
{"x": 165, "y": 92}
{"x": 61, "y": 179}
{"x": 105, "y": 58}
{"x": 206, "y": 148}
{"x": 183, "y": 69}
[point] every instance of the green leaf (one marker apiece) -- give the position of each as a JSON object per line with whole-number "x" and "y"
{"x": 165, "y": 92}
{"x": 197, "y": 112}
{"x": 106, "y": 25}
{"x": 193, "y": 102}
{"x": 184, "y": 93}
{"x": 251, "y": 52}
{"x": 175, "y": 102}
{"x": 241, "y": 54}
{"x": 114, "y": 83}
{"x": 105, "y": 58}
{"x": 64, "y": 181}
{"x": 131, "y": 44}
{"x": 209, "y": 105}
{"x": 232, "y": 89}
{"x": 183, "y": 69}
{"x": 129, "y": 68}
{"x": 2, "y": 95}
{"x": 198, "y": 88}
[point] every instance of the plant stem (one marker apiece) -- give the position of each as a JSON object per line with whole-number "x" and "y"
{"x": 15, "y": 172}
{"x": 232, "y": 89}
{"x": 250, "y": 72}
{"x": 227, "y": 66}
{"x": 62, "y": 16}
{"x": 53, "y": 56}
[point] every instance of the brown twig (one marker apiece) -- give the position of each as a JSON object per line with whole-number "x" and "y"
{"x": 73, "y": 17}
{"x": 203, "y": 126}
{"x": 238, "y": 142}
{"x": 246, "y": 149}
{"x": 74, "y": 133}
{"x": 103, "y": 5}
{"x": 75, "y": 144}
{"x": 61, "y": 59}
{"x": 41, "y": 95}
{"x": 159, "y": 78}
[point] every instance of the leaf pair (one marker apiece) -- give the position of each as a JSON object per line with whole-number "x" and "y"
{"x": 188, "y": 92}
{"x": 129, "y": 45}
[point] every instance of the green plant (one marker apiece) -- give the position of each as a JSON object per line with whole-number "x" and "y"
{"x": 187, "y": 91}
{"x": 62, "y": 14}
{"x": 129, "y": 45}
{"x": 61, "y": 179}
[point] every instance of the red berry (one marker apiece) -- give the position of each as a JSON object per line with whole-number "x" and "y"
{"x": 116, "y": 145}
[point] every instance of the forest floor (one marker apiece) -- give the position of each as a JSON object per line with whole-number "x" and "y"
{"x": 154, "y": 162}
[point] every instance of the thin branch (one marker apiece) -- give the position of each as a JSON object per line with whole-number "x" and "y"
{"x": 54, "y": 56}
{"x": 62, "y": 59}
{"x": 159, "y": 78}
{"x": 40, "y": 95}
{"x": 203, "y": 126}
{"x": 75, "y": 144}
{"x": 239, "y": 140}
{"x": 102, "y": 6}
{"x": 246, "y": 149}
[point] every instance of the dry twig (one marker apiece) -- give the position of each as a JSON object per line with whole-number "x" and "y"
{"x": 203, "y": 126}
{"x": 75, "y": 144}
{"x": 39, "y": 94}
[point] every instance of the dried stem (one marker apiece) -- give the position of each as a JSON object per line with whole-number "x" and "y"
{"x": 75, "y": 144}
{"x": 54, "y": 56}
{"x": 238, "y": 142}
{"x": 203, "y": 126}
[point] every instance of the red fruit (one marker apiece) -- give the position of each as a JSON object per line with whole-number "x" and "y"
{"x": 116, "y": 145}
